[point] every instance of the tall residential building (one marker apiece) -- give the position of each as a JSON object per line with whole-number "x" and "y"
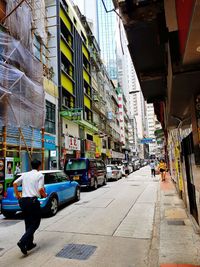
{"x": 151, "y": 121}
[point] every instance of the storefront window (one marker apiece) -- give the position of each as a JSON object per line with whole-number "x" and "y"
{"x": 50, "y": 122}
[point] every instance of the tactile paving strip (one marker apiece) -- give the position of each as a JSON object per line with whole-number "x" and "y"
{"x": 76, "y": 251}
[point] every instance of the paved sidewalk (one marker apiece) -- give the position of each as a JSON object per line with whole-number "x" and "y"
{"x": 179, "y": 244}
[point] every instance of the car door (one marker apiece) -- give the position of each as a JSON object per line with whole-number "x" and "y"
{"x": 52, "y": 185}
{"x": 67, "y": 188}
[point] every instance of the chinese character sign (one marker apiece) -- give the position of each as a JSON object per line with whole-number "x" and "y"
{"x": 72, "y": 143}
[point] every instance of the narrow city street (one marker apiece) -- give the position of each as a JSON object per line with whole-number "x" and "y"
{"x": 116, "y": 219}
{"x": 124, "y": 222}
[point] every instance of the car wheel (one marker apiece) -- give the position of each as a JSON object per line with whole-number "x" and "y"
{"x": 95, "y": 184}
{"x": 9, "y": 214}
{"x": 53, "y": 206}
{"x": 78, "y": 194}
{"x": 105, "y": 181}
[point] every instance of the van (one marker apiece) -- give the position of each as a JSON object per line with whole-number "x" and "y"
{"x": 87, "y": 172}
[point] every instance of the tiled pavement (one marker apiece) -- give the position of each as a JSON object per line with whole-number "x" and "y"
{"x": 179, "y": 244}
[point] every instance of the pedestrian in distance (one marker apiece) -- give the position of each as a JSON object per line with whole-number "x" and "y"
{"x": 162, "y": 168}
{"x": 153, "y": 168}
{"x": 32, "y": 187}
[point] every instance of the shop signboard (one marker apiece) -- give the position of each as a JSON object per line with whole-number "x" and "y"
{"x": 72, "y": 143}
{"x": 49, "y": 142}
{"x": 17, "y": 166}
{"x": 2, "y": 176}
{"x": 74, "y": 114}
{"x": 147, "y": 140}
{"x": 90, "y": 146}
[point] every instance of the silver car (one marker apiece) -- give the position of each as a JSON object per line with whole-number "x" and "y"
{"x": 113, "y": 172}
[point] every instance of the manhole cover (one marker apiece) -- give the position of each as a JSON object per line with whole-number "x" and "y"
{"x": 176, "y": 222}
{"x": 76, "y": 251}
{"x": 8, "y": 223}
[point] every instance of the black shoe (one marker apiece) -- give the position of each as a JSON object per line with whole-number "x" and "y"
{"x": 22, "y": 247}
{"x": 31, "y": 246}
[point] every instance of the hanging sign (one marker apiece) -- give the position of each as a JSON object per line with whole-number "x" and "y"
{"x": 72, "y": 143}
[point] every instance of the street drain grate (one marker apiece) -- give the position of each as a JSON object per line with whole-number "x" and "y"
{"x": 176, "y": 222}
{"x": 8, "y": 223}
{"x": 76, "y": 251}
{"x": 135, "y": 185}
{"x": 169, "y": 195}
{"x": 167, "y": 204}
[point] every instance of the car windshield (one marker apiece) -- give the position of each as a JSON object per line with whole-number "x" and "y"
{"x": 73, "y": 165}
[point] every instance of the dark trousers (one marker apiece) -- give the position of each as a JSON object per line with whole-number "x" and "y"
{"x": 153, "y": 172}
{"x": 32, "y": 217}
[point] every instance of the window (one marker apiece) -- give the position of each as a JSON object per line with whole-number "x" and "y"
{"x": 75, "y": 22}
{"x": 89, "y": 137}
{"x": 66, "y": 66}
{"x": 39, "y": 50}
{"x": 74, "y": 165}
{"x": 50, "y": 178}
{"x": 61, "y": 177}
{"x": 50, "y": 122}
{"x": 68, "y": 100}
{"x": 87, "y": 89}
{"x": 65, "y": 33}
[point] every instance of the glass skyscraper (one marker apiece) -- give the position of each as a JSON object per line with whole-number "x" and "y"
{"x": 107, "y": 23}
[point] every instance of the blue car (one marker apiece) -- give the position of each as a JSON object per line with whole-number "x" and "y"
{"x": 59, "y": 190}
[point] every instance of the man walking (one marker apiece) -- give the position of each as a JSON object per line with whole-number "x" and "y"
{"x": 32, "y": 187}
{"x": 153, "y": 168}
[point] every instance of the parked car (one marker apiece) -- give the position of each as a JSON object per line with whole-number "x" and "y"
{"x": 113, "y": 172}
{"x": 126, "y": 167}
{"x": 130, "y": 166}
{"x": 59, "y": 188}
{"x": 122, "y": 168}
{"x": 136, "y": 164}
{"x": 87, "y": 172}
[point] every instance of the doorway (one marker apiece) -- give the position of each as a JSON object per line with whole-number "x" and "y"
{"x": 188, "y": 150}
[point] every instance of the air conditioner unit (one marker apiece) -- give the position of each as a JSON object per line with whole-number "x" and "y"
{"x": 95, "y": 98}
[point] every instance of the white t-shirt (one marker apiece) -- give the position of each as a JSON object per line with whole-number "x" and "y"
{"x": 31, "y": 183}
{"x": 152, "y": 165}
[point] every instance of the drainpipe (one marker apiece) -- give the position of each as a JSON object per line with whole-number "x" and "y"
{"x": 60, "y": 128}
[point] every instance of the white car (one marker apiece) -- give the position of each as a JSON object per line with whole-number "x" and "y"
{"x": 113, "y": 172}
{"x": 122, "y": 168}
